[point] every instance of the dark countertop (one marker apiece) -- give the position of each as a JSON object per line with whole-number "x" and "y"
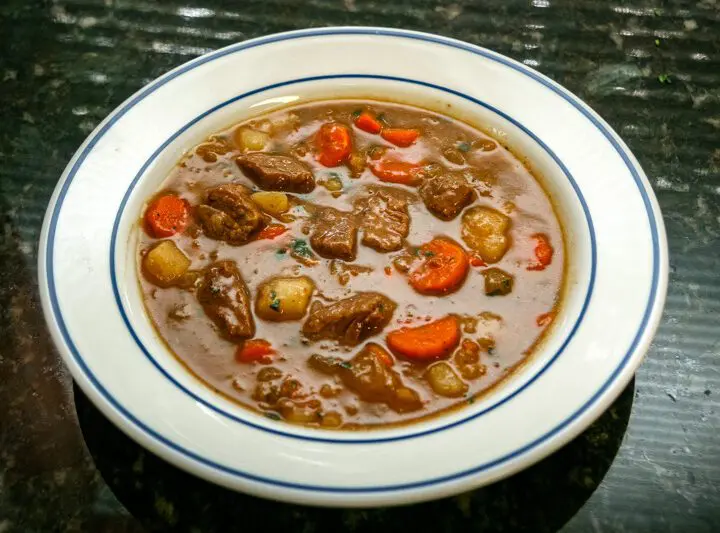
{"x": 649, "y": 67}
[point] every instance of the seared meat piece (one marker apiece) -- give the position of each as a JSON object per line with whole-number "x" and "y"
{"x": 497, "y": 282}
{"x": 349, "y": 321}
{"x": 384, "y": 220}
{"x": 228, "y": 214}
{"x": 370, "y": 375}
{"x": 446, "y": 195}
{"x": 226, "y": 300}
{"x": 334, "y": 234}
{"x": 275, "y": 172}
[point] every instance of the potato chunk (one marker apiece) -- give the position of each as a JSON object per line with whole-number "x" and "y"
{"x": 251, "y": 140}
{"x": 444, "y": 381}
{"x": 485, "y": 230}
{"x": 273, "y": 203}
{"x": 165, "y": 263}
{"x": 281, "y": 299}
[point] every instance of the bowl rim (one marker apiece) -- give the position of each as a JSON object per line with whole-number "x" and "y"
{"x": 353, "y": 437}
{"x": 528, "y": 454}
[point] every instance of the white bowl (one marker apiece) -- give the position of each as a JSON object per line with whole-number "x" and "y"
{"x": 617, "y": 270}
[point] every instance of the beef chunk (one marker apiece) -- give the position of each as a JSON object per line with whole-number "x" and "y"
{"x": 334, "y": 234}
{"x": 228, "y": 214}
{"x": 369, "y": 374}
{"x": 446, "y": 195}
{"x": 384, "y": 220}
{"x": 275, "y": 172}
{"x": 349, "y": 321}
{"x": 226, "y": 300}
{"x": 497, "y": 282}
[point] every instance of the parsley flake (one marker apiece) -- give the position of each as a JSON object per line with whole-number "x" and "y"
{"x": 275, "y": 301}
{"x": 464, "y": 146}
{"x": 301, "y": 248}
{"x": 346, "y": 364}
{"x": 664, "y": 78}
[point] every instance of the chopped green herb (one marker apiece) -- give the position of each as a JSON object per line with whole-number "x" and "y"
{"x": 470, "y": 400}
{"x": 301, "y": 248}
{"x": 357, "y": 113}
{"x": 428, "y": 253}
{"x": 281, "y": 252}
{"x": 664, "y": 78}
{"x": 657, "y": 42}
{"x": 346, "y": 364}
{"x": 382, "y": 119}
{"x": 464, "y": 146}
{"x": 416, "y": 251}
{"x": 275, "y": 303}
{"x": 272, "y": 416}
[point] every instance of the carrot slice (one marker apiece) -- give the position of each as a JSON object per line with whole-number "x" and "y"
{"x": 443, "y": 270}
{"x": 368, "y": 123}
{"x": 166, "y": 216}
{"x": 477, "y": 261}
{"x": 431, "y": 341}
{"x": 543, "y": 252}
{"x": 393, "y": 171}
{"x": 333, "y": 144}
{"x": 253, "y": 350}
{"x": 271, "y": 231}
{"x": 545, "y": 319}
{"x": 400, "y": 137}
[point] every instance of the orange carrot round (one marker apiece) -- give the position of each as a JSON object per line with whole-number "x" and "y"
{"x": 431, "y": 341}
{"x": 166, "y": 216}
{"x": 271, "y": 231}
{"x": 368, "y": 123}
{"x": 253, "y": 350}
{"x": 393, "y": 171}
{"x": 400, "y": 137}
{"x": 444, "y": 267}
{"x": 333, "y": 144}
{"x": 543, "y": 252}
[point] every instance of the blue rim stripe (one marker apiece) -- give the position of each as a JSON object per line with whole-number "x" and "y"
{"x": 358, "y": 31}
{"x": 146, "y": 352}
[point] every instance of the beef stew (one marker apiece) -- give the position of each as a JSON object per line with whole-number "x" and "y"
{"x": 351, "y": 263}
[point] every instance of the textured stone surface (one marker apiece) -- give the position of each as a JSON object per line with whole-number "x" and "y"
{"x": 651, "y": 68}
